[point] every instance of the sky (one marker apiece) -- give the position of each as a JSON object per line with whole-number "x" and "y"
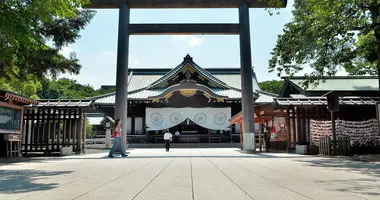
{"x": 97, "y": 47}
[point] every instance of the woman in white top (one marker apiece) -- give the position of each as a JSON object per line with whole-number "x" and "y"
{"x": 167, "y": 137}
{"x": 117, "y": 139}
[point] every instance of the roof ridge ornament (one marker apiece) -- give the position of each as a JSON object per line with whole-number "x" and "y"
{"x": 188, "y": 58}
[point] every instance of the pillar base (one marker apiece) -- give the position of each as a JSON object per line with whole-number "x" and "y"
{"x": 249, "y": 143}
{"x": 249, "y": 151}
{"x": 108, "y": 138}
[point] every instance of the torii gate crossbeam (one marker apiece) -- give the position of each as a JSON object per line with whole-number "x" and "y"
{"x": 126, "y": 29}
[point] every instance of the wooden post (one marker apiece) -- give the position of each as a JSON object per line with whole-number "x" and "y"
{"x": 70, "y": 128}
{"x": 241, "y": 135}
{"x": 59, "y": 128}
{"x": 288, "y": 129}
{"x": 54, "y": 128}
{"x": 47, "y": 136}
{"x": 79, "y": 132}
{"x": 37, "y": 133}
{"x": 84, "y": 132}
{"x": 27, "y": 131}
{"x": 294, "y": 127}
{"x": 64, "y": 128}
{"x": 333, "y": 132}
{"x": 298, "y": 126}
{"x": 260, "y": 134}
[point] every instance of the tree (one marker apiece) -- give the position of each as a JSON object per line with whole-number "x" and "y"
{"x": 67, "y": 89}
{"x": 29, "y": 87}
{"x": 88, "y": 129}
{"x": 273, "y": 86}
{"x": 33, "y": 32}
{"x": 329, "y": 35}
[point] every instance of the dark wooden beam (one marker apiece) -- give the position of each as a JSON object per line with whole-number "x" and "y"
{"x": 183, "y": 29}
{"x": 186, "y": 3}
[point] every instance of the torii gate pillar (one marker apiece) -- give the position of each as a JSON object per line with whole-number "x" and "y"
{"x": 121, "y": 97}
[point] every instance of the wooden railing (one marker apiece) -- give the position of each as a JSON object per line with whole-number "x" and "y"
{"x": 343, "y": 147}
{"x": 325, "y": 145}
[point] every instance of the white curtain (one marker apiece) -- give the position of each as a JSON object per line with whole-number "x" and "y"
{"x": 210, "y": 118}
{"x": 138, "y": 124}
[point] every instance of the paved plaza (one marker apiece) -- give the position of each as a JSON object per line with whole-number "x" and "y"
{"x": 202, "y": 174}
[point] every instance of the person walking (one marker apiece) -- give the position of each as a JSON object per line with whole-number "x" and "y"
{"x": 167, "y": 137}
{"x": 117, "y": 139}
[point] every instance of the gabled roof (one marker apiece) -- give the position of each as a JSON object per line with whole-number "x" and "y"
{"x": 188, "y": 61}
{"x": 142, "y": 82}
{"x": 339, "y": 83}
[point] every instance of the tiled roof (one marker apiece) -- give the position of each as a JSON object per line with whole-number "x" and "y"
{"x": 265, "y": 97}
{"x": 189, "y": 60}
{"x": 348, "y": 83}
{"x": 95, "y": 120}
{"x": 64, "y": 103}
{"x": 144, "y": 94}
{"x": 314, "y": 101}
{"x": 142, "y": 81}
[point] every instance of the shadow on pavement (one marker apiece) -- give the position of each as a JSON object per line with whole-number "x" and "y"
{"x": 370, "y": 169}
{"x": 20, "y": 181}
{"x": 356, "y": 186}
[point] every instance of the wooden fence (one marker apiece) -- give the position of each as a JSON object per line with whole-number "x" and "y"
{"x": 343, "y": 146}
{"x": 48, "y": 129}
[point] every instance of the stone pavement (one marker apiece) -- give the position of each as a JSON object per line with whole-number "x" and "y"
{"x": 187, "y": 174}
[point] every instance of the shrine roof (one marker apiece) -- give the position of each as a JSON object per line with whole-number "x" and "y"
{"x": 143, "y": 82}
{"x": 315, "y": 101}
{"x": 17, "y": 98}
{"x": 63, "y": 103}
{"x": 141, "y": 78}
{"x": 357, "y": 85}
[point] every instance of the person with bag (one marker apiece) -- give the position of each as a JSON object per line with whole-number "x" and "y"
{"x": 117, "y": 139}
{"x": 167, "y": 137}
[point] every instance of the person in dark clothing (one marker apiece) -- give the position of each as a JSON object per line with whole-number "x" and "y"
{"x": 267, "y": 136}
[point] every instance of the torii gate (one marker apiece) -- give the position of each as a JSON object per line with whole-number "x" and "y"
{"x": 241, "y": 28}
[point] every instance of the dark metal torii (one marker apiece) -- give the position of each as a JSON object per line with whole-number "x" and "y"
{"x": 242, "y": 28}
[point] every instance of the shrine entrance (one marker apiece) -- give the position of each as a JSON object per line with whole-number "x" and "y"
{"x": 242, "y": 29}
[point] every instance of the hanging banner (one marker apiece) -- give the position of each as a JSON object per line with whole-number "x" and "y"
{"x": 210, "y": 118}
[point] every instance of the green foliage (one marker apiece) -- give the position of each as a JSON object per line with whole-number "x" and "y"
{"x": 88, "y": 129}
{"x": 50, "y": 89}
{"x": 33, "y": 32}
{"x": 29, "y": 87}
{"x": 328, "y": 36}
{"x": 273, "y": 86}
{"x": 67, "y": 89}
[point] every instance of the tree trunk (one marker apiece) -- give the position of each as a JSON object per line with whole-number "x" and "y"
{"x": 377, "y": 35}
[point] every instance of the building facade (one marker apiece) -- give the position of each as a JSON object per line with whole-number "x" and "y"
{"x": 195, "y": 101}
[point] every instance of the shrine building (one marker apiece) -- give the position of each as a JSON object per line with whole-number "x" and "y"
{"x": 196, "y": 101}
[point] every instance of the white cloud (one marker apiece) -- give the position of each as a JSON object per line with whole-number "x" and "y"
{"x": 192, "y": 41}
{"x": 65, "y": 51}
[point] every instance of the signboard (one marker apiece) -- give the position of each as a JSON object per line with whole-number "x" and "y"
{"x": 10, "y": 119}
{"x": 12, "y": 137}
